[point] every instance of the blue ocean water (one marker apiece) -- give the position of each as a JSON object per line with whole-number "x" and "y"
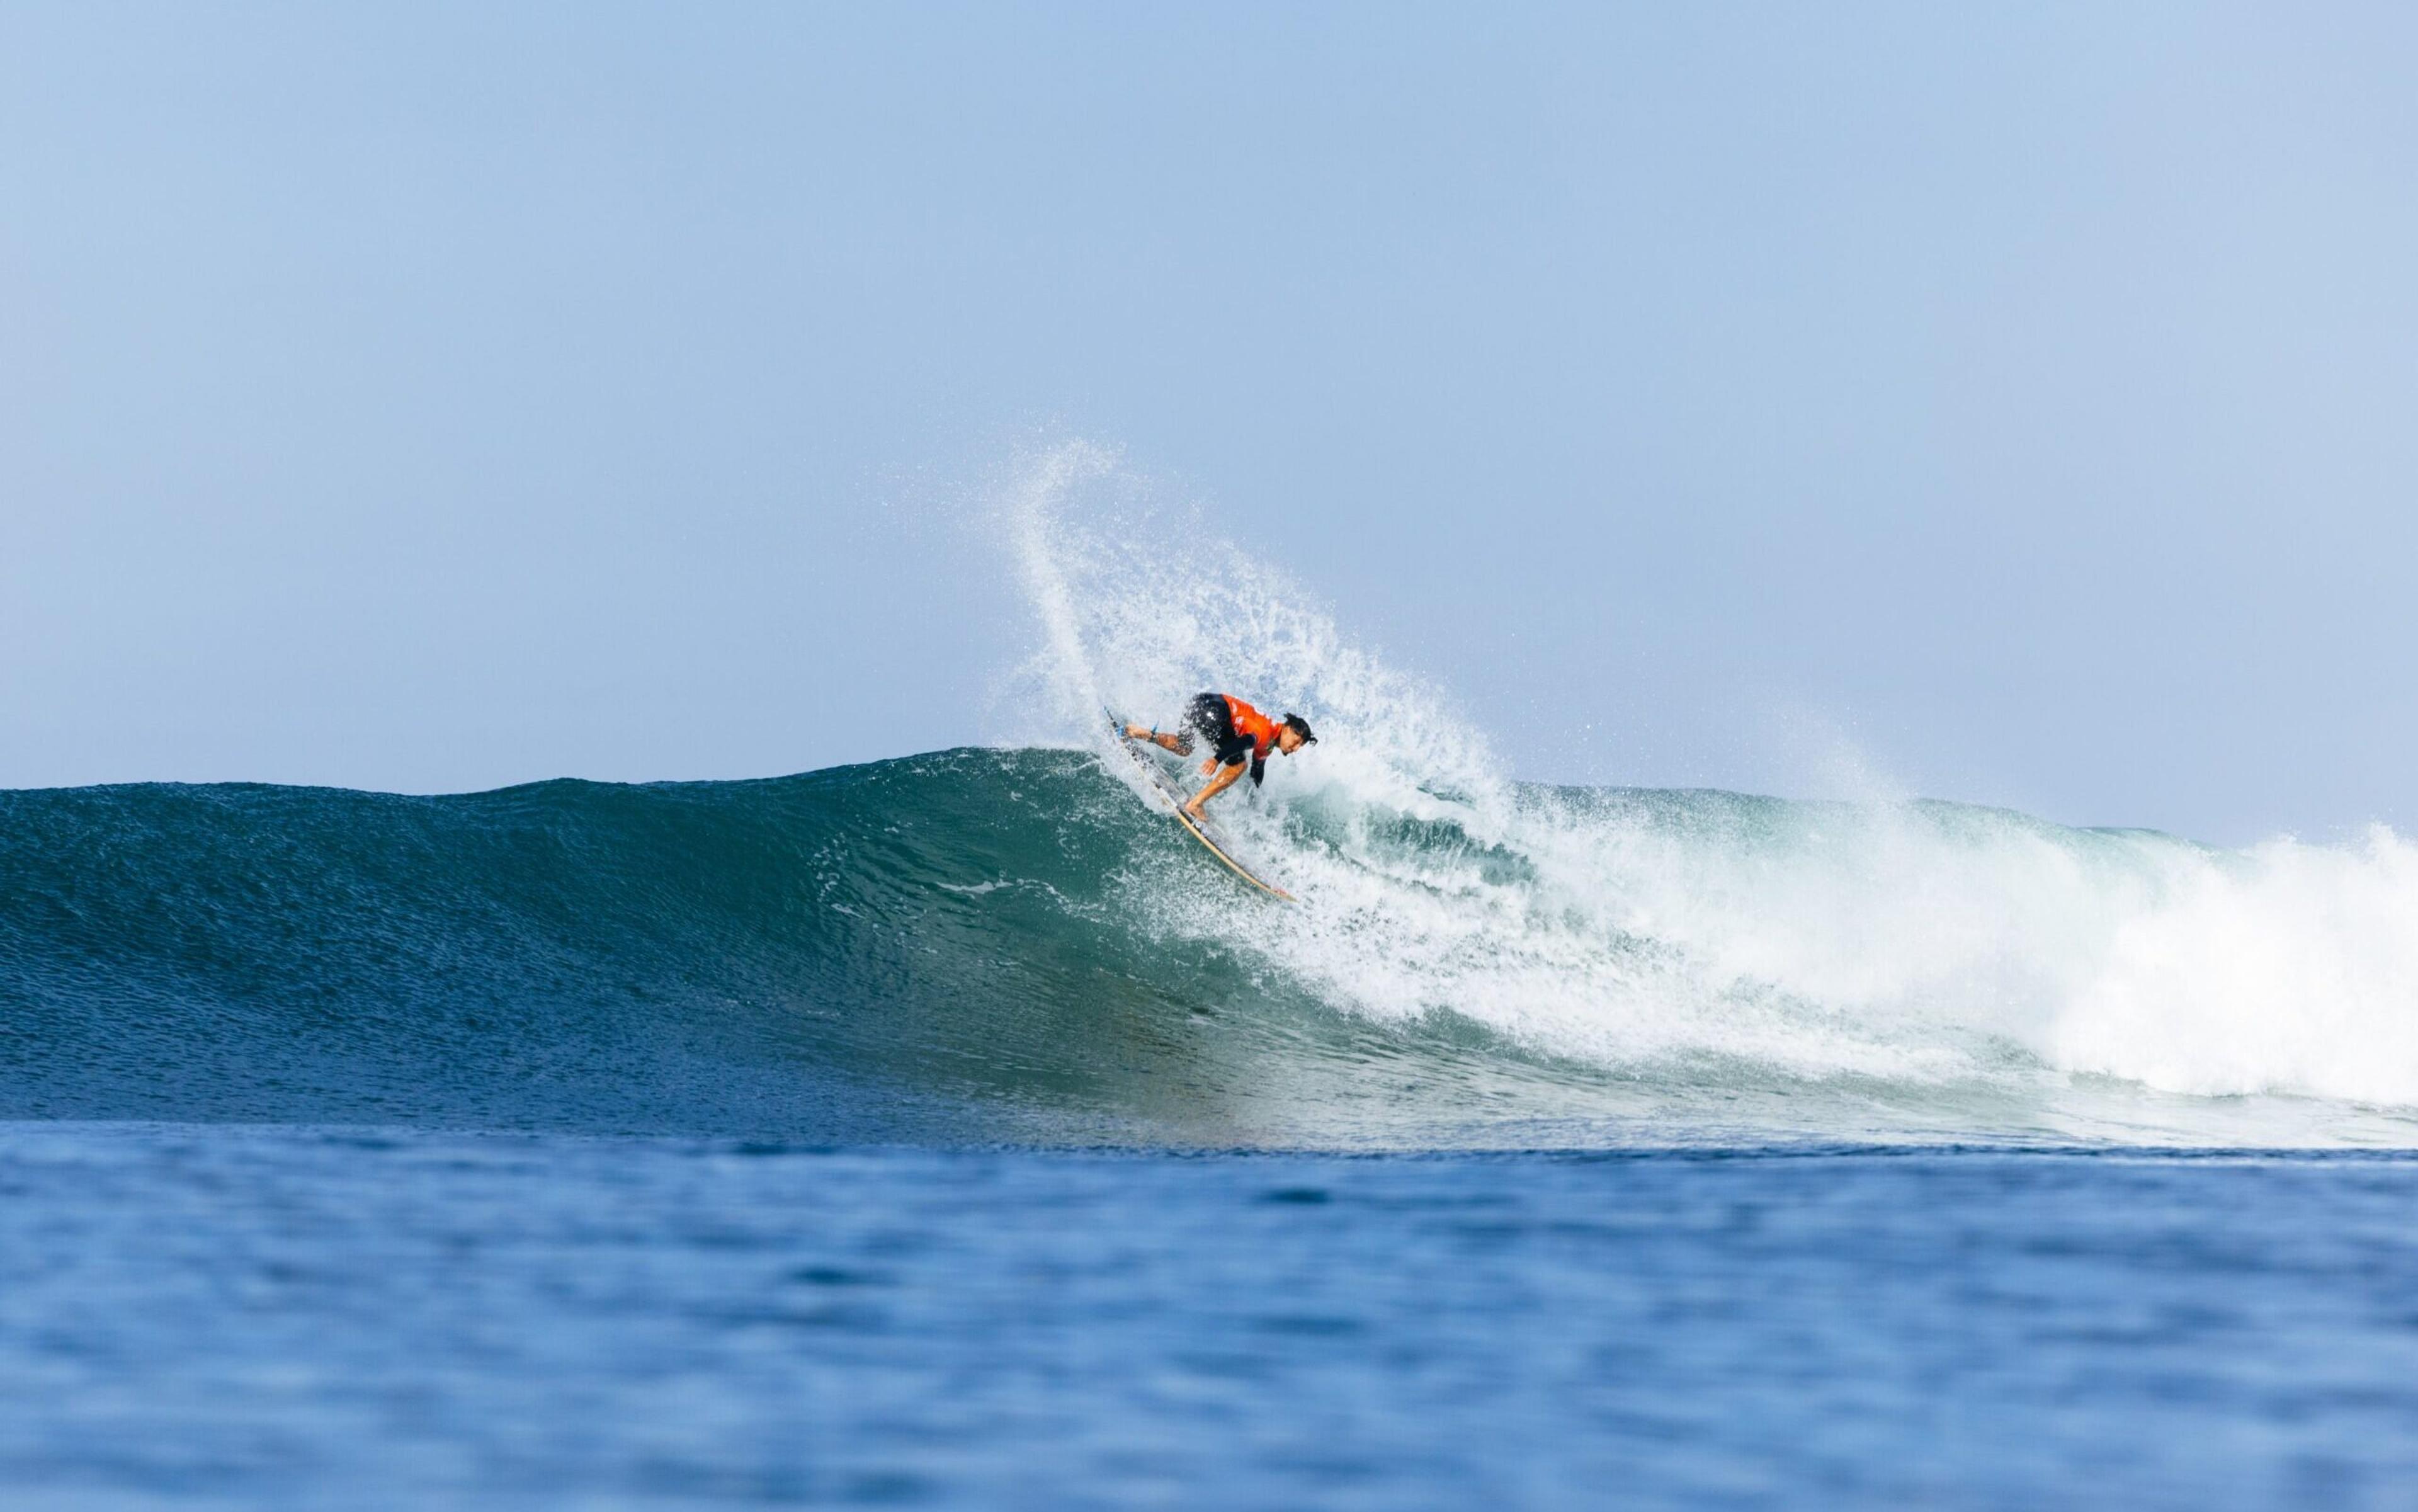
{"x": 264, "y": 1318}
{"x": 949, "y": 1131}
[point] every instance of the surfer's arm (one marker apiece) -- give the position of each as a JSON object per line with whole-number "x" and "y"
{"x": 1217, "y": 784}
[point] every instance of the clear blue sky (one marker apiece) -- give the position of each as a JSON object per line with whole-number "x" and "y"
{"x": 435, "y": 396}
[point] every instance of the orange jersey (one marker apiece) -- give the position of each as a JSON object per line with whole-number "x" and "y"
{"x": 1253, "y": 727}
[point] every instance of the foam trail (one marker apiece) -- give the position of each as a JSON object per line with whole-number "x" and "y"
{"x": 1710, "y": 936}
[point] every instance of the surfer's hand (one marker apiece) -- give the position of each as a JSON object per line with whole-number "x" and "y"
{"x": 1209, "y": 768}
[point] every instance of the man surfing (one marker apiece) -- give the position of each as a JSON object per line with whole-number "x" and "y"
{"x": 1236, "y": 733}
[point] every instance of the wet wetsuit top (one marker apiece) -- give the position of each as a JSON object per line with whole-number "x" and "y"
{"x": 1235, "y": 729}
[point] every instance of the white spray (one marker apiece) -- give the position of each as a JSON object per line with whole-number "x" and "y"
{"x": 1705, "y": 934}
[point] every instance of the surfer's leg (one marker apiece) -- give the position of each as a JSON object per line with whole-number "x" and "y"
{"x": 1178, "y": 741}
{"x": 1207, "y": 715}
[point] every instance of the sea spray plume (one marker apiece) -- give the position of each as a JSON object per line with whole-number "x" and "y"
{"x": 1062, "y": 673}
{"x": 1708, "y": 936}
{"x": 1139, "y": 606}
{"x": 1419, "y": 862}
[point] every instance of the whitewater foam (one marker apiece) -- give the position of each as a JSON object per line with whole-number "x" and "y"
{"x": 1703, "y": 935}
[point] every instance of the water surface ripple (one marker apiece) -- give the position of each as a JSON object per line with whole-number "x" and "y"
{"x": 294, "y": 1316}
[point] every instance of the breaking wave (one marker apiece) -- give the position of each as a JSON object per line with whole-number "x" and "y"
{"x": 1007, "y": 945}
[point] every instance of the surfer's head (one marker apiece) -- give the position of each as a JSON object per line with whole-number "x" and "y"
{"x": 1294, "y": 734}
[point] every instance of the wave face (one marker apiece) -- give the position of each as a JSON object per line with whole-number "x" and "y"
{"x": 1005, "y": 945}
{"x": 917, "y": 949}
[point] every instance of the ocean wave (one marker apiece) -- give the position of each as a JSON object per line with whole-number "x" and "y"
{"x": 1008, "y": 945}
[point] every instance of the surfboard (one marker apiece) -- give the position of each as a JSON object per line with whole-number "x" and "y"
{"x": 1205, "y": 830}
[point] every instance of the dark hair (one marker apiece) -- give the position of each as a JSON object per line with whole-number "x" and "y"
{"x": 1300, "y": 726}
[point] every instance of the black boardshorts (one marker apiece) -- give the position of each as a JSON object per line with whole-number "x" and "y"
{"x": 1208, "y": 716}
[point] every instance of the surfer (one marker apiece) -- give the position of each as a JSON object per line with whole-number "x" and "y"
{"x": 1236, "y": 733}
